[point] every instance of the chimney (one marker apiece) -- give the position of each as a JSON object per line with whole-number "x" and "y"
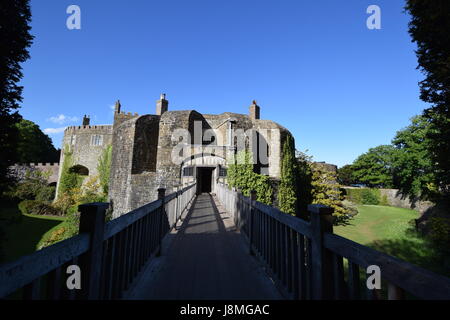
{"x": 254, "y": 111}
{"x": 86, "y": 120}
{"x": 162, "y": 105}
{"x": 117, "y": 107}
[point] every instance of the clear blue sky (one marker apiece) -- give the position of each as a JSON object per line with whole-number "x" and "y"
{"x": 313, "y": 66}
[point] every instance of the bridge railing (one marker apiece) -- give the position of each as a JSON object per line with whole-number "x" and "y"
{"x": 109, "y": 255}
{"x": 307, "y": 261}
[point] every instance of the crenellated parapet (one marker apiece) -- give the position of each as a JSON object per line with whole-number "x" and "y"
{"x": 107, "y": 129}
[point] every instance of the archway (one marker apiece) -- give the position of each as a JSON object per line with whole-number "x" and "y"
{"x": 79, "y": 169}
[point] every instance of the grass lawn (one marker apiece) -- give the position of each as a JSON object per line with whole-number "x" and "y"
{"x": 374, "y": 223}
{"x": 388, "y": 229}
{"x": 23, "y": 237}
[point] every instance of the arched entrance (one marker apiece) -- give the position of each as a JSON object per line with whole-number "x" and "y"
{"x": 204, "y": 169}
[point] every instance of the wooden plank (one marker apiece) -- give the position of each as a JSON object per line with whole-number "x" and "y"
{"x": 32, "y": 290}
{"x": 338, "y": 277}
{"x": 118, "y": 263}
{"x": 353, "y": 281}
{"x": 54, "y": 282}
{"x": 395, "y": 292}
{"x": 17, "y": 274}
{"x": 302, "y": 268}
{"x": 295, "y": 223}
{"x": 288, "y": 237}
{"x": 115, "y": 226}
{"x": 295, "y": 264}
{"x": 419, "y": 282}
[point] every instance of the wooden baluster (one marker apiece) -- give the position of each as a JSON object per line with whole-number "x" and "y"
{"x": 251, "y": 221}
{"x": 92, "y": 221}
{"x": 353, "y": 281}
{"x": 32, "y": 291}
{"x": 395, "y": 292}
{"x": 161, "y": 196}
{"x": 322, "y": 265}
{"x": 338, "y": 275}
{"x": 295, "y": 264}
{"x": 54, "y": 283}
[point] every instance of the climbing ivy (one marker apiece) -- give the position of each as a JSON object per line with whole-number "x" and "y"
{"x": 69, "y": 180}
{"x": 104, "y": 168}
{"x": 287, "y": 191}
{"x": 241, "y": 176}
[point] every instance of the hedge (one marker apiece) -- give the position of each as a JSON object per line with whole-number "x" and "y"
{"x": 38, "y": 208}
{"x": 366, "y": 196}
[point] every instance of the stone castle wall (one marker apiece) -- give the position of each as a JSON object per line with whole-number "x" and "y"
{"x": 20, "y": 169}
{"x": 86, "y": 151}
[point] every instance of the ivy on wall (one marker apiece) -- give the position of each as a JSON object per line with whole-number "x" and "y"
{"x": 242, "y": 177}
{"x": 69, "y": 180}
{"x": 104, "y": 168}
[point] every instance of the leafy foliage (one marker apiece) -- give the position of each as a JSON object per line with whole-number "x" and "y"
{"x": 38, "y": 207}
{"x": 366, "y": 196}
{"x": 375, "y": 167}
{"x": 69, "y": 180}
{"x": 412, "y": 164}
{"x": 241, "y": 176}
{"x": 326, "y": 191}
{"x": 345, "y": 175}
{"x": 304, "y": 183}
{"x": 34, "y": 186}
{"x": 287, "y": 193}
{"x": 15, "y": 16}
{"x": 429, "y": 25}
{"x": 104, "y": 168}
{"x": 33, "y": 145}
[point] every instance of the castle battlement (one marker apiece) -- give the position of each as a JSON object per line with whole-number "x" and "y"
{"x": 106, "y": 128}
{"x": 36, "y": 164}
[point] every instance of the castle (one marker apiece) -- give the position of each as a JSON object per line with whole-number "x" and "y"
{"x": 171, "y": 149}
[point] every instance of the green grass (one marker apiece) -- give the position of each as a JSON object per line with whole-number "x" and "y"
{"x": 374, "y": 223}
{"x": 24, "y": 236}
{"x": 389, "y": 230}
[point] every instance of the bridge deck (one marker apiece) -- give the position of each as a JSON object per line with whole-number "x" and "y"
{"x": 206, "y": 259}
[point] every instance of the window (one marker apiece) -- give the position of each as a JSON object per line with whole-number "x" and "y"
{"x": 73, "y": 139}
{"x": 97, "y": 140}
{"x": 222, "y": 172}
{"x": 188, "y": 172}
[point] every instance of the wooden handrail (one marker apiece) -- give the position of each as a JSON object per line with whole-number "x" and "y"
{"x": 305, "y": 259}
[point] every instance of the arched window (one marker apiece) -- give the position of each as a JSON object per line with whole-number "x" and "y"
{"x": 79, "y": 169}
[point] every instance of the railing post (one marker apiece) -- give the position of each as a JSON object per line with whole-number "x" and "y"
{"x": 322, "y": 259}
{"x": 92, "y": 221}
{"x": 251, "y": 213}
{"x": 161, "y": 196}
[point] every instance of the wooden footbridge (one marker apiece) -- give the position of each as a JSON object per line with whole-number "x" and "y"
{"x": 212, "y": 246}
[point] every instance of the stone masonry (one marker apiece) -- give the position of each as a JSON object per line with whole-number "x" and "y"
{"x": 144, "y": 148}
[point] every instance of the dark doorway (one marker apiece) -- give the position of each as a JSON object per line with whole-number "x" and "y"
{"x": 204, "y": 179}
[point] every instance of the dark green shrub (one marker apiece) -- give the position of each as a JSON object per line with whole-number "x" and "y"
{"x": 369, "y": 196}
{"x": 37, "y": 208}
{"x": 46, "y": 194}
{"x": 366, "y": 196}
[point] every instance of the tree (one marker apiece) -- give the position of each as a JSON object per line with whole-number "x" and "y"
{"x": 304, "y": 186}
{"x": 429, "y": 28}
{"x": 412, "y": 164}
{"x": 15, "y": 16}
{"x": 375, "y": 167}
{"x": 345, "y": 175}
{"x": 33, "y": 145}
{"x": 287, "y": 193}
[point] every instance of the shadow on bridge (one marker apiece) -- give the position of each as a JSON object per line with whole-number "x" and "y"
{"x": 205, "y": 259}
